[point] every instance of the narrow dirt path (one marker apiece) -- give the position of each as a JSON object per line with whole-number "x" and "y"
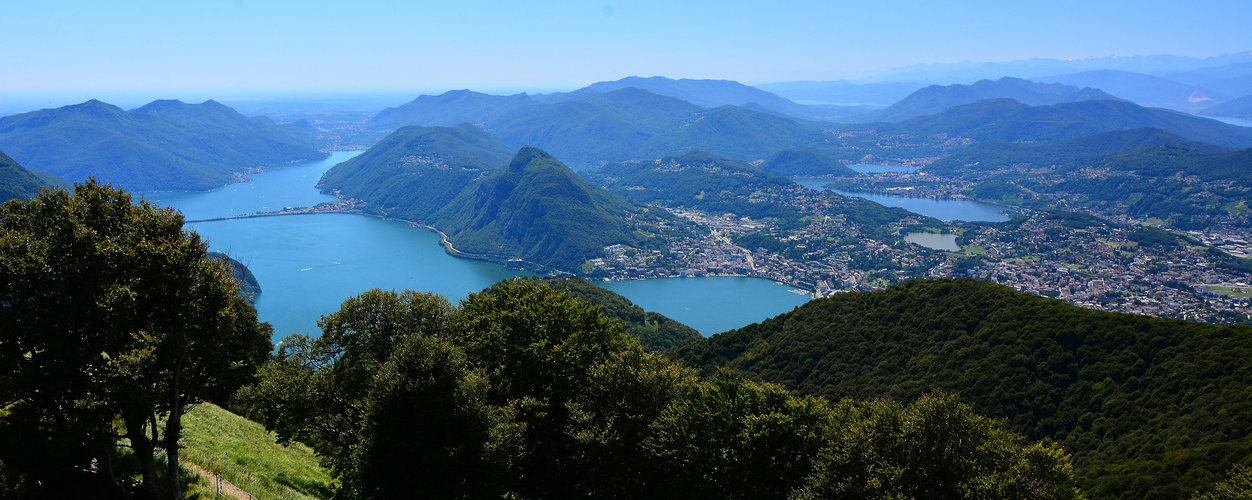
{"x": 227, "y": 488}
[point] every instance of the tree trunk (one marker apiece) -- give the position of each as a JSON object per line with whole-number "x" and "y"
{"x": 144, "y": 452}
{"x": 173, "y": 431}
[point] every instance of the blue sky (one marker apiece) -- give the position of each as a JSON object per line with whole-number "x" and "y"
{"x": 324, "y": 45}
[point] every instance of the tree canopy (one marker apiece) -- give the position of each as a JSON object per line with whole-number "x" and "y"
{"x": 524, "y": 392}
{"x": 112, "y": 319}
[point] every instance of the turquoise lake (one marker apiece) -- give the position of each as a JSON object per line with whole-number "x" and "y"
{"x": 308, "y": 264}
{"x": 963, "y": 210}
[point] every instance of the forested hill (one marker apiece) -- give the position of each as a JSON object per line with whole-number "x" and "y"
{"x": 539, "y": 210}
{"x": 1009, "y": 120}
{"x": 415, "y": 171}
{"x": 804, "y": 162}
{"x": 15, "y": 181}
{"x": 611, "y": 127}
{"x": 166, "y": 145}
{"x": 654, "y": 330}
{"x": 936, "y": 98}
{"x": 993, "y": 155}
{"x": 1150, "y": 408}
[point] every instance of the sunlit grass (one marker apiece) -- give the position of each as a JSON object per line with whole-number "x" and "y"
{"x": 246, "y": 455}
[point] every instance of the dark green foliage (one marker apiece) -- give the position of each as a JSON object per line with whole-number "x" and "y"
{"x": 448, "y": 109}
{"x": 523, "y": 392}
{"x": 17, "y": 182}
{"x": 1009, "y": 120}
{"x": 933, "y": 448}
{"x": 249, "y": 288}
{"x": 425, "y": 381}
{"x": 655, "y": 331}
{"x": 111, "y": 317}
{"x": 538, "y": 210}
{"x": 936, "y": 98}
{"x": 165, "y": 145}
{"x": 1129, "y": 395}
{"x": 415, "y": 171}
{"x": 805, "y": 162}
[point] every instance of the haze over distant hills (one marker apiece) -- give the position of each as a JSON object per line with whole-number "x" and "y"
{"x": 1009, "y": 120}
{"x": 936, "y": 98}
{"x": 1145, "y": 90}
{"x": 165, "y": 145}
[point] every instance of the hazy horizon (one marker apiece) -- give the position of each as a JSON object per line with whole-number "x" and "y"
{"x": 239, "y": 47}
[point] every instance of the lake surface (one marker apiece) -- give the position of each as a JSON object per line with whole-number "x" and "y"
{"x": 963, "y": 210}
{"x": 1238, "y": 122}
{"x": 710, "y": 304}
{"x": 308, "y": 264}
{"x": 946, "y": 242}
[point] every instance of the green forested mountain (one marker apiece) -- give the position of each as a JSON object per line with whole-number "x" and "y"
{"x": 165, "y": 145}
{"x": 609, "y": 127}
{"x": 448, "y": 109}
{"x": 804, "y": 162}
{"x": 694, "y": 180}
{"x": 936, "y": 98}
{"x": 1140, "y": 173}
{"x": 1150, "y": 408}
{"x": 654, "y": 330}
{"x": 995, "y": 154}
{"x": 538, "y": 210}
{"x": 15, "y": 181}
{"x": 1009, "y": 120}
{"x": 737, "y": 133}
{"x": 415, "y": 171}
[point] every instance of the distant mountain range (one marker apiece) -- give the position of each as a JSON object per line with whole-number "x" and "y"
{"x": 165, "y": 145}
{"x": 844, "y": 93}
{"x": 464, "y": 106}
{"x": 448, "y": 109}
{"x": 1145, "y": 90}
{"x": 461, "y": 181}
{"x": 1234, "y": 108}
{"x": 936, "y": 98}
{"x": 1009, "y": 120}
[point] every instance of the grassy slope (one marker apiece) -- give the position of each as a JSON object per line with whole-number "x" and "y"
{"x": 247, "y": 456}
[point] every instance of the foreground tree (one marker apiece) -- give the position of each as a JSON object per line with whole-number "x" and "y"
{"x": 522, "y": 392}
{"x": 110, "y": 313}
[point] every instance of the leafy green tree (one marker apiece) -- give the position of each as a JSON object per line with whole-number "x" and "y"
{"x": 1237, "y": 486}
{"x": 732, "y": 438}
{"x": 315, "y": 390}
{"x": 111, "y": 313}
{"x": 933, "y": 448}
{"x": 425, "y": 382}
